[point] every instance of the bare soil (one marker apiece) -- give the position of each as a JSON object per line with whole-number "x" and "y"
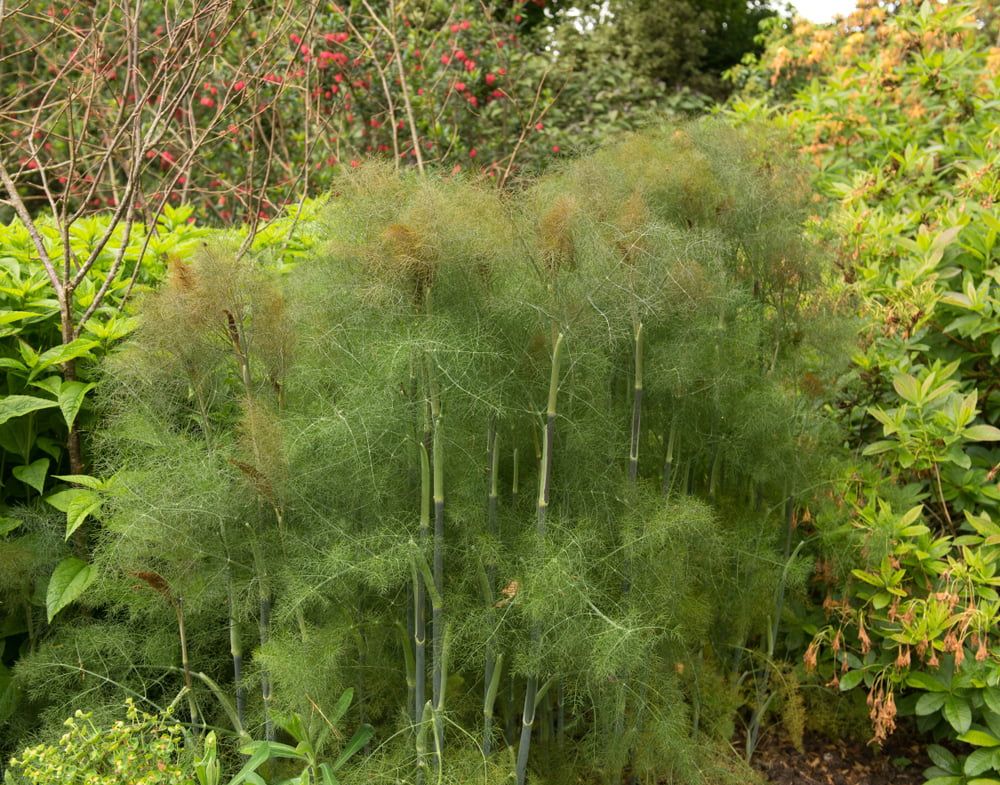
{"x": 840, "y": 762}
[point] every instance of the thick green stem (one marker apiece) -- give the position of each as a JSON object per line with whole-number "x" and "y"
{"x": 265, "y": 678}
{"x": 527, "y": 722}
{"x": 515, "y": 490}
{"x": 668, "y": 459}
{"x": 492, "y": 497}
{"x": 633, "y": 454}
{"x": 545, "y": 471}
{"x": 426, "y": 721}
{"x": 409, "y": 660}
{"x": 714, "y": 477}
{"x": 515, "y": 495}
{"x": 491, "y": 667}
{"x": 560, "y": 716}
{"x": 489, "y": 701}
{"x": 437, "y": 611}
{"x": 419, "y": 601}
{"x": 235, "y": 638}
{"x": 439, "y": 705}
{"x": 235, "y": 645}
{"x": 264, "y": 632}
{"x": 633, "y": 475}
{"x": 544, "y": 481}
{"x": 763, "y": 699}
{"x": 185, "y": 662}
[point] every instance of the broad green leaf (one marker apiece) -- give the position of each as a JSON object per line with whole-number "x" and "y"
{"x": 80, "y": 508}
{"x": 71, "y": 398}
{"x": 61, "y": 499}
{"x": 948, "y": 780}
{"x": 69, "y": 580}
{"x": 868, "y": 578}
{"x": 51, "y": 384}
{"x": 342, "y": 705}
{"x": 982, "y": 433}
{"x": 295, "y": 728}
{"x": 850, "y": 680}
{"x": 33, "y": 474}
{"x": 941, "y": 242}
{"x": 911, "y": 515}
{"x": 359, "y": 740}
{"x": 925, "y": 681}
{"x": 992, "y": 720}
{"x": 275, "y": 749}
{"x": 879, "y": 447}
{"x": 907, "y": 387}
{"x": 81, "y": 479}
{"x": 7, "y": 525}
{"x": 7, "y": 317}
{"x": 991, "y": 695}
{"x": 929, "y": 702}
{"x": 944, "y": 758}
{"x": 271, "y": 749}
{"x": 978, "y": 761}
{"x": 49, "y": 446}
{"x": 958, "y": 713}
{"x": 62, "y": 353}
{"x": 29, "y": 355}
{"x": 258, "y": 754}
{"x": 18, "y": 405}
{"x": 978, "y": 738}
{"x": 77, "y": 503}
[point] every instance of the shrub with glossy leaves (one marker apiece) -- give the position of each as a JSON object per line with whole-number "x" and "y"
{"x": 897, "y": 108}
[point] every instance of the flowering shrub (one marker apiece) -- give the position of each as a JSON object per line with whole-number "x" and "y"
{"x": 142, "y": 749}
{"x": 897, "y": 109}
{"x": 283, "y": 95}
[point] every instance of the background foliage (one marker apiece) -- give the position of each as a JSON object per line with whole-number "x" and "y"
{"x": 898, "y": 109}
{"x": 279, "y": 96}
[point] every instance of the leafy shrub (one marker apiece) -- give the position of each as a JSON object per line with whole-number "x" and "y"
{"x": 39, "y": 572}
{"x": 897, "y": 108}
{"x": 278, "y": 97}
{"x": 143, "y": 749}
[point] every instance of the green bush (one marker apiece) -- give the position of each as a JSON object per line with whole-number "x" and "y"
{"x": 897, "y": 109}
{"x": 279, "y": 97}
{"x": 490, "y": 463}
{"x": 40, "y": 572}
{"x": 142, "y": 749}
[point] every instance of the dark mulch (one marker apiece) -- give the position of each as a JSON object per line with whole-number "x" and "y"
{"x": 840, "y": 762}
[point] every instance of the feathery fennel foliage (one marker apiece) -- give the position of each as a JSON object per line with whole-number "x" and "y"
{"x": 266, "y": 447}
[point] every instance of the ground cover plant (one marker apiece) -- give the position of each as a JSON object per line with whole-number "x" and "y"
{"x": 898, "y": 109}
{"x": 517, "y": 475}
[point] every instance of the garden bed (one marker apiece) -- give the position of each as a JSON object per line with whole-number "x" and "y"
{"x": 825, "y": 761}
